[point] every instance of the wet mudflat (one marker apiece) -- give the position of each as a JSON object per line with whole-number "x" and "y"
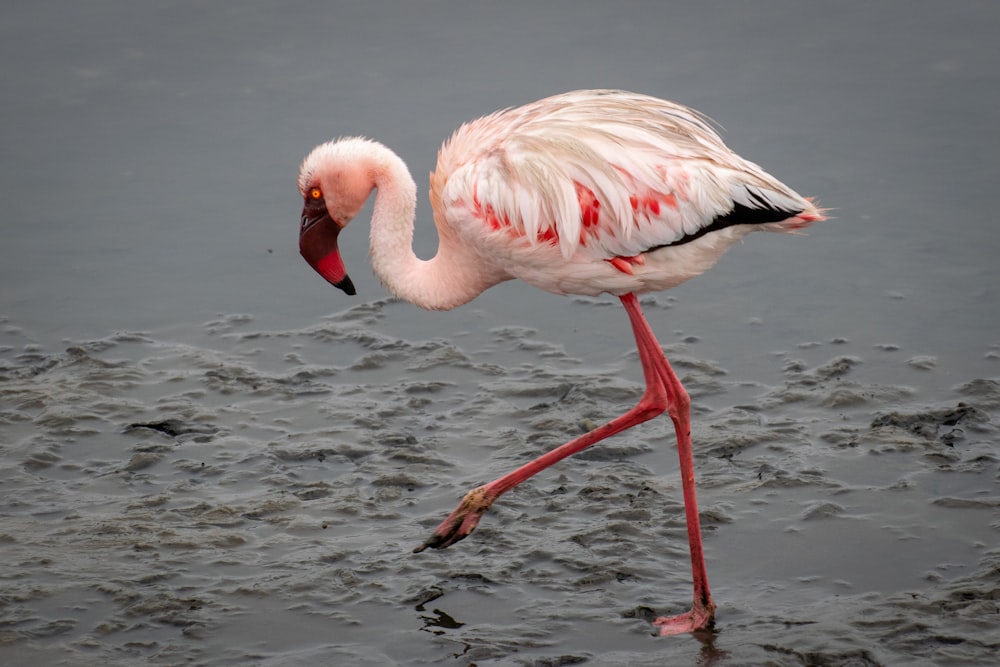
{"x": 256, "y": 499}
{"x": 207, "y": 456}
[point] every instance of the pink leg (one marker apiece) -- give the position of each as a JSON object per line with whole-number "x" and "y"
{"x": 663, "y": 392}
{"x": 702, "y": 614}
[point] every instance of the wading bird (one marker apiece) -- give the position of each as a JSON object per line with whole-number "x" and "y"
{"x": 582, "y": 193}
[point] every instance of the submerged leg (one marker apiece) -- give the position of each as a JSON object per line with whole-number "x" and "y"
{"x": 664, "y": 392}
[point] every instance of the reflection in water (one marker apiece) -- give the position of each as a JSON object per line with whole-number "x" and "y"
{"x": 441, "y": 620}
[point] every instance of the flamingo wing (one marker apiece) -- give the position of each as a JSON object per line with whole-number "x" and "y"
{"x": 609, "y": 173}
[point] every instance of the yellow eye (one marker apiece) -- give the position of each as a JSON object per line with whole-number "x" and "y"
{"x": 315, "y": 194}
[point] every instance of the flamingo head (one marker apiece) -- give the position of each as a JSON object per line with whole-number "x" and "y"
{"x": 334, "y": 185}
{"x": 318, "y": 241}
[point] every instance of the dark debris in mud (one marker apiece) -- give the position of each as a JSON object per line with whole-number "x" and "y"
{"x": 174, "y": 428}
{"x": 947, "y": 425}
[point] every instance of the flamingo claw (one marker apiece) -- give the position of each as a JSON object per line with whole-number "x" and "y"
{"x": 461, "y": 522}
{"x": 700, "y": 618}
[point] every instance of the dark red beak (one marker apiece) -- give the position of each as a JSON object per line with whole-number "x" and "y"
{"x": 318, "y": 245}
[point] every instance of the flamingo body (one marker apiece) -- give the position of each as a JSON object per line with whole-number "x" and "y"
{"x": 557, "y": 189}
{"x": 586, "y": 192}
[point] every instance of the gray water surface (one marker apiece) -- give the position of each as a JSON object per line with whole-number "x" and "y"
{"x": 209, "y": 456}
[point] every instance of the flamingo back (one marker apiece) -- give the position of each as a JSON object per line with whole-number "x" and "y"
{"x": 602, "y": 175}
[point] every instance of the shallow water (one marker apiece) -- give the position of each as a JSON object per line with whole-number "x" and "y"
{"x": 256, "y": 499}
{"x": 200, "y": 464}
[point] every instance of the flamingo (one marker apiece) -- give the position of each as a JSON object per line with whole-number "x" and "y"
{"x": 586, "y": 192}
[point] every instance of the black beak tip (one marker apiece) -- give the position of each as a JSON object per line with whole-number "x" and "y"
{"x": 347, "y": 286}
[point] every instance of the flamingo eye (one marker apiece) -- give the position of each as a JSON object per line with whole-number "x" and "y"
{"x": 315, "y": 194}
